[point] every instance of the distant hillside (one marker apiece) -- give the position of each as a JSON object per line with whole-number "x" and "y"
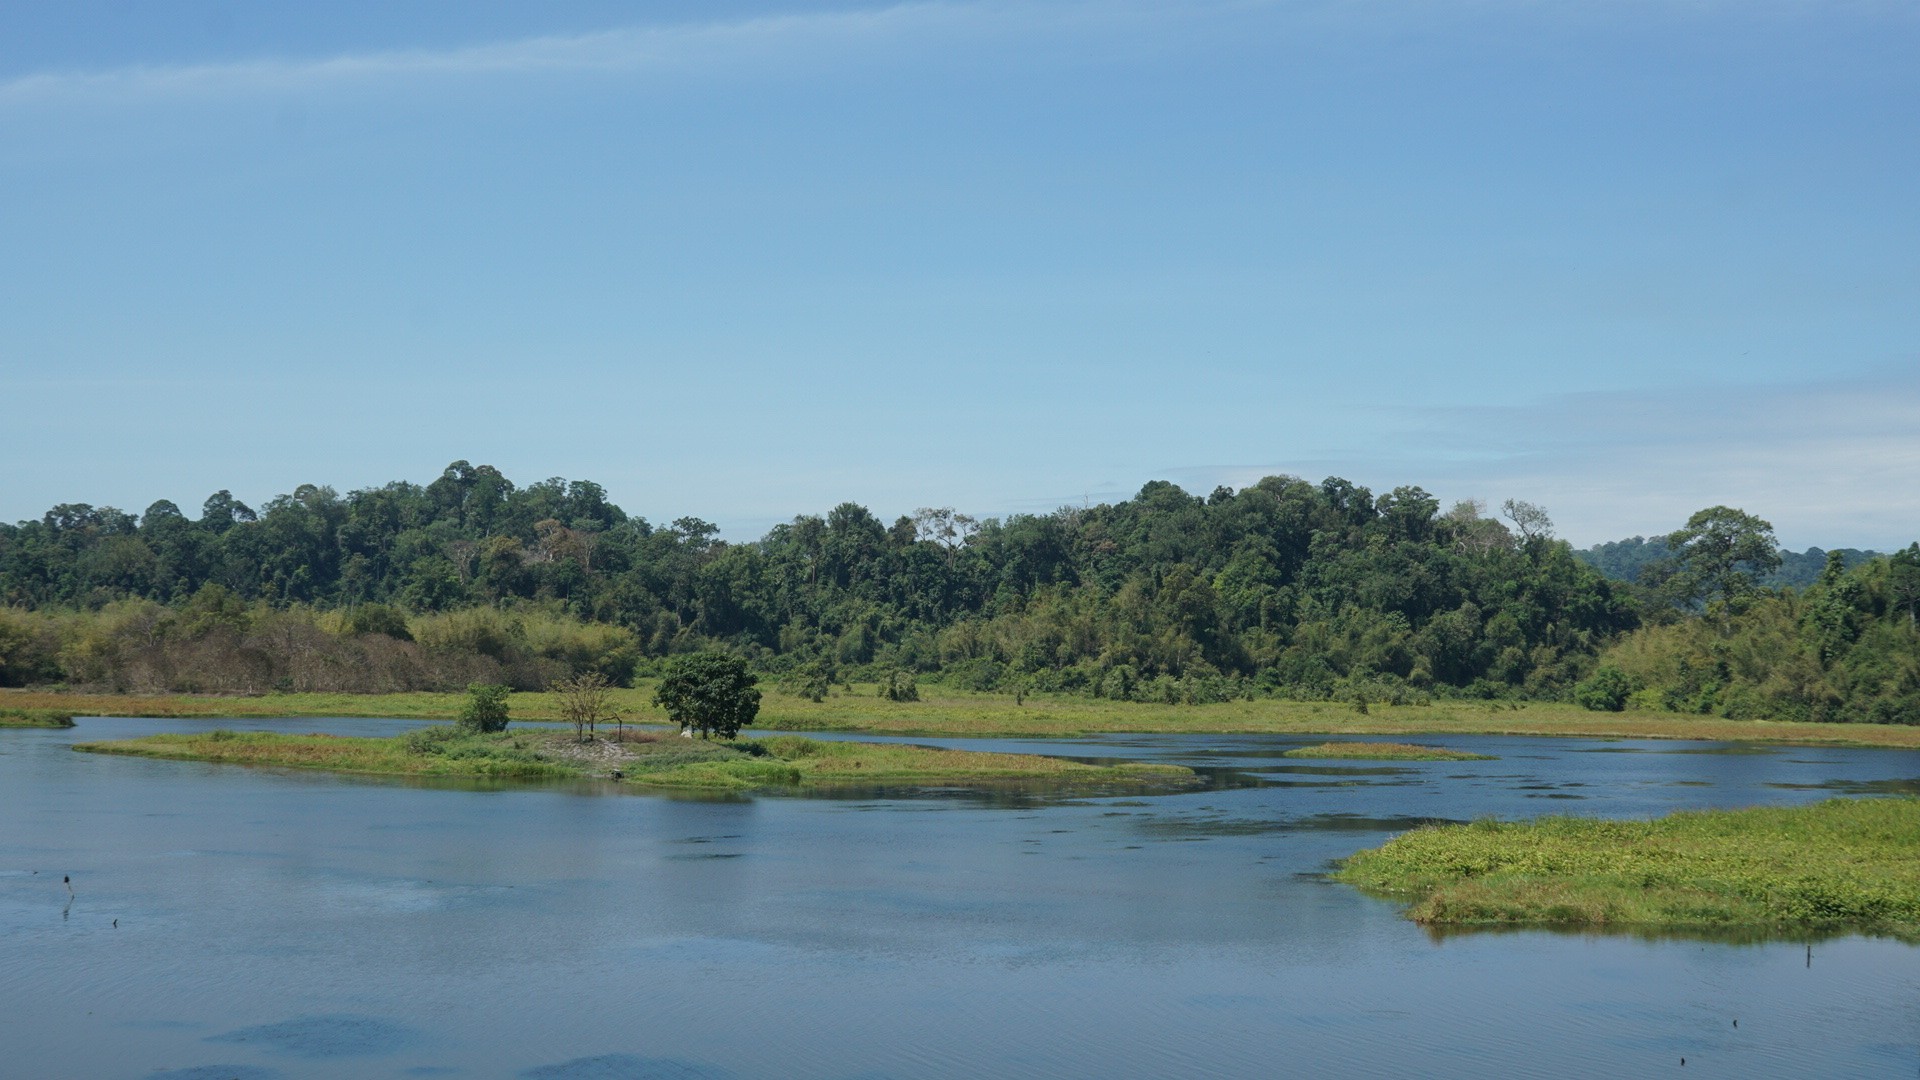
{"x": 1622, "y": 560}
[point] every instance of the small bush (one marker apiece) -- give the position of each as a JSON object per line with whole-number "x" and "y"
{"x": 1607, "y": 691}
{"x": 1120, "y": 684}
{"x": 899, "y": 686}
{"x": 378, "y": 619}
{"x": 981, "y": 674}
{"x": 811, "y": 680}
{"x": 787, "y": 747}
{"x": 485, "y": 710}
{"x": 430, "y": 740}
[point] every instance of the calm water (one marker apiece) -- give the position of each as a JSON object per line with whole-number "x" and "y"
{"x": 293, "y": 925}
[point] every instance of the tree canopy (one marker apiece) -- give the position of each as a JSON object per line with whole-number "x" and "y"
{"x": 711, "y": 693}
{"x": 1282, "y": 587}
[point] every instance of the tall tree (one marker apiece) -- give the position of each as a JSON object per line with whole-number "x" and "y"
{"x": 709, "y": 692}
{"x": 1719, "y": 555}
{"x": 1903, "y": 579}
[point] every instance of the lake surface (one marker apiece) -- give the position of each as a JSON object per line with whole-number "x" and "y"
{"x": 285, "y": 924}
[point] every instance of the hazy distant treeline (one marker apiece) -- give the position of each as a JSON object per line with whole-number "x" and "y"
{"x": 1623, "y": 560}
{"x": 1287, "y": 587}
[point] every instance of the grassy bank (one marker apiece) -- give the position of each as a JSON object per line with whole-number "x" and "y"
{"x": 1840, "y": 865}
{"x": 643, "y": 757}
{"x": 958, "y": 713}
{"x": 40, "y": 718}
{"x": 1382, "y": 751}
{"x": 504, "y": 757}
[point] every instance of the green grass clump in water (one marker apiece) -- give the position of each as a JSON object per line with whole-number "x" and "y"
{"x": 792, "y": 760}
{"x": 647, "y": 759}
{"x": 1383, "y": 751}
{"x": 41, "y": 718}
{"x": 428, "y": 752}
{"x": 1840, "y": 865}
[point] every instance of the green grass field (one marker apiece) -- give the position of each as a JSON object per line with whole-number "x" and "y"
{"x": 1840, "y": 865}
{"x": 959, "y": 713}
{"x": 1382, "y": 751}
{"x": 647, "y": 758}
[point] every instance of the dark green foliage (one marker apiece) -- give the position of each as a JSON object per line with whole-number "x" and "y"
{"x": 1624, "y": 560}
{"x": 1903, "y": 582}
{"x": 485, "y": 710}
{"x": 709, "y": 692}
{"x": 1719, "y": 555}
{"x": 1844, "y": 650}
{"x": 378, "y": 619}
{"x": 1282, "y": 588}
{"x": 1606, "y": 691}
{"x": 899, "y": 686}
{"x": 981, "y": 673}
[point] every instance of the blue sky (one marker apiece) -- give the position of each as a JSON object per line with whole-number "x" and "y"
{"x": 1622, "y": 259}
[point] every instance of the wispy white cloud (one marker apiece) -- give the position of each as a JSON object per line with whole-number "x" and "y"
{"x": 815, "y": 37}
{"x": 1833, "y": 462}
{"x": 821, "y": 38}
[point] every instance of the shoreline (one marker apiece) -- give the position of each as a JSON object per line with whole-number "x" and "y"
{"x": 644, "y": 759}
{"x": 959, "y": 714}
{"x": 35, "y": 718}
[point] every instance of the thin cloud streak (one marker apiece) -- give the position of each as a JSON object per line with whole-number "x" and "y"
{"x": 702, "y": 46}
{"x": 630, "y": 48}
{"x": 692, "y": 46}
{"x": 1834, "y": 463}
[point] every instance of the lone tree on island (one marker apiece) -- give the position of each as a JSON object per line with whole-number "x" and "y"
{"x": 708, "y": 692}
{"x": 485, "y": 710}
{"x": 586, "y": 700}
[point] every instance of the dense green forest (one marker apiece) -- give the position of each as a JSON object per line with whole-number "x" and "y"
{"x": 1283, "y": 588}
{"x": 1622, "y": 560}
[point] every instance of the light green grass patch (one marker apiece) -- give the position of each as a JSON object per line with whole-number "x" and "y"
{"x": 1840, "y": 865}
{"x": 419, "y": 753}
{"x": 650, "y": 759}
{"x": 794, "y": 760}
{"x": 35, "y": 718}
{"x": 1383, "y": 751}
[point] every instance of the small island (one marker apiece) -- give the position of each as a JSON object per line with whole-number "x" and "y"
{"x": 649, "y": 758}
{"x": 1383, "y": 751}
{"x": 1844, "y": 865}
{"x": 704, "y": 693}
{"x": 35, "y": 718}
